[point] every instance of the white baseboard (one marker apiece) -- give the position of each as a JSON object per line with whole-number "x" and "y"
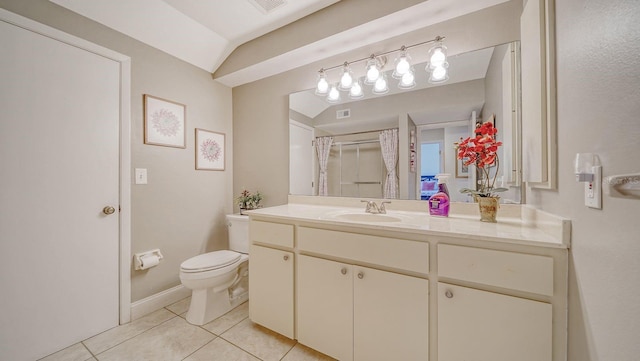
{"x": 155, "y": 302}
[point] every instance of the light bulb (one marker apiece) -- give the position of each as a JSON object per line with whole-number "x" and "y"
{"x": 373, "y": 73}
{"x": 407, "y": 80}
{"x": 356, "y": 90}
{"x": 403, "y": 65}
{"x": 380, "y": 86}
{"x": 438, "y": 56}
{"x": 334, "y": 94}
{"x": 347, "y": 79}
{"x": 323, "y": 86}
{"x": 438, "y": 75}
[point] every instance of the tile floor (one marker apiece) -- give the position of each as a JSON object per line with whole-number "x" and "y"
{"x": 165, "y": 335}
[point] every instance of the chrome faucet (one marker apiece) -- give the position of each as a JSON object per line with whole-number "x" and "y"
{"x": 373, "y": 208}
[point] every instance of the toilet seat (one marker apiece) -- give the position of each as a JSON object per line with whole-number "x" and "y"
{"x": 210, "y": 261}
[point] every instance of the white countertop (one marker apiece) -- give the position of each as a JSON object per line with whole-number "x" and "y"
{"x": 531, "y": 228}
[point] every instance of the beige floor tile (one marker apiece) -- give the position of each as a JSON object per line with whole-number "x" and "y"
{"x": 75, "y": 352}
{"x": 180, "y": 307}
{"x": 110, "y": 338}
{"x": 259, "y": 341}
{"x": 170, "y": 341}
{"x": 221, "y": 350}
{"x": 303, "y": 353}
{"x": 228, "y": 320}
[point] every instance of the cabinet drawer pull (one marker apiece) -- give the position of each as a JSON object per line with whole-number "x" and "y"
{"x": 343, "y": 270}
{"x": 360, "y": 275}
{"x": 286, "y": 257}
{"x": 448, "y": 294}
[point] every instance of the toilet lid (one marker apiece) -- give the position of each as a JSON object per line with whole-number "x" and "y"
{"x": 210, "y": 261}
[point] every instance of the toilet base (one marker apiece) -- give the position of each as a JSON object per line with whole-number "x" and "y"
{"x": 207, "y": 304}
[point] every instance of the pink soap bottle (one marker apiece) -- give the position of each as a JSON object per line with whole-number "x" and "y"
{"x": 439, "y": 202}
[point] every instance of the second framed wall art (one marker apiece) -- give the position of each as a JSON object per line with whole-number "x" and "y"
{"x": 210, "y": 150}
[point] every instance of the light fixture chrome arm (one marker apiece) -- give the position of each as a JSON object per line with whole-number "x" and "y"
{"x": 403, "y": 47}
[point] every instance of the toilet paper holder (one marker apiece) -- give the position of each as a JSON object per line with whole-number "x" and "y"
{"x": 148, "y": 259}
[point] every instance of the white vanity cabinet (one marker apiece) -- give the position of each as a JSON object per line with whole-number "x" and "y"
{"x": 325, "y": 306}
{"x": 271, "y": 276}
{"x": 485, "y": 326}
{"x": 371, "y": 292}
{"x": 475, "y": 323}
{"x": 354, "y": 312}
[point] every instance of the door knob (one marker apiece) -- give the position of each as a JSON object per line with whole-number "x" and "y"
{"x": 108, "y": 210}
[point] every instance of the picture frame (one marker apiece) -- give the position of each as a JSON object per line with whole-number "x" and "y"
{"x": 462, "y": 171}
{"x": 164, "y": 122}
{"x": 210, "y": 150}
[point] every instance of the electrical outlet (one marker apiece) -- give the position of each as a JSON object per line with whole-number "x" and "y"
{"x": 593, "y": 189}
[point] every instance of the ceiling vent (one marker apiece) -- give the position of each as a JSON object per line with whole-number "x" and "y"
{"x": 267, "y": 6}
{"x": 344, "y": 113}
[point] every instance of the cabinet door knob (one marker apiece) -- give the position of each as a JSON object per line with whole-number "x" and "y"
{"x": 286, "y": 257}
{"x": 343, "y": 270}
{"x": 360, "y": 275}
{"x": 448, "y": 294}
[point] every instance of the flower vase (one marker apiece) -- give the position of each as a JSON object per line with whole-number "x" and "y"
{"x": 488, "y": 208}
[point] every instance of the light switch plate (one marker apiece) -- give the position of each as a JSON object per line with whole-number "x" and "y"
{"x": 141, "y": 175}
{"x": 593, "y": 189}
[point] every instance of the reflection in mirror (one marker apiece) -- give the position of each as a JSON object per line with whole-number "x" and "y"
{"x": 483, "y": 85}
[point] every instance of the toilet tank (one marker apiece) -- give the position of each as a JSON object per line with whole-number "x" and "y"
{"x": 238, "y": 227}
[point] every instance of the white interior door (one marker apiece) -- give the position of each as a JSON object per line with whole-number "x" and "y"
{"x": 301, "y": 164}
{"x": 59, "y": 164}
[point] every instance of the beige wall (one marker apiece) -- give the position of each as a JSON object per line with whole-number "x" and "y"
{"x": 260, "y": 109}
{"x": 598, "y": 106}
{"x": 181, "y": 210}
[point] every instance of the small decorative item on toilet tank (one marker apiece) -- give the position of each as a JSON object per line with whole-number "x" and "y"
{"x": 248, "y": 201}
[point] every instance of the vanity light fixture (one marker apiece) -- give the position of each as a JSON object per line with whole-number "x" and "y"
{"x": 437, "y": 68}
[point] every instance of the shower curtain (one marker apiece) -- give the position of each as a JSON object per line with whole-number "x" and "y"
{"x": 389, "y": 145}
{"x": 323, "y": 147}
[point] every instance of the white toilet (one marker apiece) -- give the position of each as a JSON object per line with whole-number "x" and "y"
{"x": 219, "y": 280}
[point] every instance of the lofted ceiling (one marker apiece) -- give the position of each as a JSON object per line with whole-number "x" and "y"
{"x": 205, "y": 33}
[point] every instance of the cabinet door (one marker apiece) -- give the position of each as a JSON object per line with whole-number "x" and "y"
{"x": 325, "y": 306}
{"x": 271, "y": 289}
{"x": 391, "y": 316}
{"x": 485, "y": 326}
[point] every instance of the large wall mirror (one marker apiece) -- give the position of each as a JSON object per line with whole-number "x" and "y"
{"x": 483, "y": 85}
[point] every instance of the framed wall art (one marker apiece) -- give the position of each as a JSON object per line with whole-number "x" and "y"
{"x": 164, "y": 122}
{"x": 462, "y": 171}
{"x": 210, "y": 150}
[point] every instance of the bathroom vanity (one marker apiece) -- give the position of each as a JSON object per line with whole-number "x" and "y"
{"x": 407, "y": 286}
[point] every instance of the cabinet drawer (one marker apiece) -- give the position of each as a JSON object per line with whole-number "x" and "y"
{"x": 517, "y": 271}
{"x": 271, "y": 233}
{"x": 390, "y": 252}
